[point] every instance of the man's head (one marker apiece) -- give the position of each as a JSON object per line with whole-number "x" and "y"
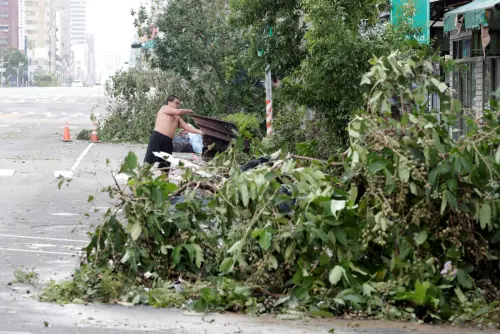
{"x": 173, "y": 101}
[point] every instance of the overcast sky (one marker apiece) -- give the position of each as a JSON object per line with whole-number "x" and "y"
{"x": 111, "y": 23}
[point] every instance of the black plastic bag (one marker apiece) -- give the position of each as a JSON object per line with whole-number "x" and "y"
{"x": 181, "y": 144}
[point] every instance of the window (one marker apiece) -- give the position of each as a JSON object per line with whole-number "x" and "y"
{"x": 4, "y": 41}
{"x": 4, "y": 15}
{"x": 4, "y": 3}
{"x": 462, "y": 48}
{"x": 4, "y": 28}
{"x": 464, "y": 84}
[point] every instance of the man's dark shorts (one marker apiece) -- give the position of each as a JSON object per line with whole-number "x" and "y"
{"x": 158, "y": 142}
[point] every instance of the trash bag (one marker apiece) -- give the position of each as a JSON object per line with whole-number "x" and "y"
{"x": 196, "y": 142}
{"x": 254, "y": 163}
{"x": 287, "y": 206}
{"x": 181, "y": 144}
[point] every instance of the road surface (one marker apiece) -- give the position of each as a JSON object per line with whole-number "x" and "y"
{"x": 43, "y": 228}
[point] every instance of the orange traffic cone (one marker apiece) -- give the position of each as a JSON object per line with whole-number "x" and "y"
{"x": 66, "y": 136}
{"x": 93, "y": 136}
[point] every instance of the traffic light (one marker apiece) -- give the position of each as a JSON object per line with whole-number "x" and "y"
{"x": 136, "y": 45}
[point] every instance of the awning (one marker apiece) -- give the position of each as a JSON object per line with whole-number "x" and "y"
{"x": 474, "y": 15}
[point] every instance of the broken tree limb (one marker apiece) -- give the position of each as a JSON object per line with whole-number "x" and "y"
{"x": 317, "y": 160}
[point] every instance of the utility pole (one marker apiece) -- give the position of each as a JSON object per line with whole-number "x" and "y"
{"x": 269, "y": 89}
{"x": 269, "y": 101}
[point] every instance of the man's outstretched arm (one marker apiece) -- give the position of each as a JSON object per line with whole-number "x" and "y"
{"x": 175, "y": 112}
{"x": 189, "y": 127}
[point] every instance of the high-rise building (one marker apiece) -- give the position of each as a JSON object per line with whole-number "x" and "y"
{"x": 9, "y": 24}
{"x": 78, "y": 13}
{"x": 91, "y": 59}
{"x": 21, "y": 22}
{"x": 64, "y": 57}
{"x": 40, "y": 27}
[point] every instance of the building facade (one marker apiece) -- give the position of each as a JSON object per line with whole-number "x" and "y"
{"x": 78, "y": 14}
{"x": 9, "y": 24}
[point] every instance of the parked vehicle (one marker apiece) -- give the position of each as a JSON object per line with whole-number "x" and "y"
{"x": 77, "y": 83}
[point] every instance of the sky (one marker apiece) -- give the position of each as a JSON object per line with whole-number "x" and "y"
{"x": 112, "y": 25}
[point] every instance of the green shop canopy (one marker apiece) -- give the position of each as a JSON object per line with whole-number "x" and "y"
{"x": 474, "y": 15}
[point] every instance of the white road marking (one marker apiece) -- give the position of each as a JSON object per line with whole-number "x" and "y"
{"x": 39, "y": 238}
{"x": 17, "y": 131}
{"x": 15, "y": 332}
{"x": 38, "y": 123}
{"x": 4, "y": 125}
{"x": 64, "y": 113}
{"x": 31, "y": 113}
{"x": 37, "y": 251}
{"x": 80, "y": 158}
{"x": 66, "y": 214}
{"x": 7, "y": 172}
{"x": 63, "y": 173}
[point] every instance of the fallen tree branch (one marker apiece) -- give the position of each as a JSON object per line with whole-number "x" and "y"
{"x": 201, "y": 185}
{"x": 299, "y": 157}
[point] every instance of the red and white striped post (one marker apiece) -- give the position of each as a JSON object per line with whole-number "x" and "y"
{"x": 269, "y": 101}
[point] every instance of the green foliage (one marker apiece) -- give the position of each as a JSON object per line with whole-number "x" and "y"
{"x": 200, "y": 46}
{"x": 84, "y": 134}
{"x": 409, "y": 231}
{"x": 44, "y": 80}
{"x": 288, "y": 128}
{"x": 137, "y": 97}
{"x": 273, "y": 28}
{"x": 13, "y": 59}
{"x": 248, "y": 124}
{"x": 25, "y": 276}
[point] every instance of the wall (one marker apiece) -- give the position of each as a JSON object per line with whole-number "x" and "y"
{"x": 9, "y": 38}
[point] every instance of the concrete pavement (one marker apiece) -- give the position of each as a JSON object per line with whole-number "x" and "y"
{"x": 43, "y": 228}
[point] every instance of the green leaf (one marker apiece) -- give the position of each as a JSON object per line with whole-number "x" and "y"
{"x": 367, "y": 290}
{"x": 412, "y": 118}
{"x": 90, "y": 199}
{"x": 244, "y": 193}
{"x": 376, "y": 166}
{"x": 131, "y": 161}
{"x": 464, "y": 279}
{"x": 421, "y": 292}
{"x": 414, "y": 189}
{"x": 135, "y": 231}
{"x": 485, "y": 215}
{"x": 320, "y": 313}
{"x": 336, "y": 274}
{"x": 176, "y": 255}
{"x": 136, "y": 299}
{"x": 265, "y": 240}
{"x": 460, "y": 295}
{"x": 227, "y": 265}
{"x": 243, "y": 290}
{"x": 157, "y": 196}
{"x": 272, "y": 175}
{"x": 198, "y": 255}
{"x": 354, "y": 134}
{"x": 336, "y": 206}
{"x": 421, "y": 237}
{"x": 341, "y": 236}
{"x": 272, "y": 262}
{"x": 443, "y": 203}
{"x": 163, "y": 250}
{"x": 404, "y": 173}
{"x": 437, "y": 141}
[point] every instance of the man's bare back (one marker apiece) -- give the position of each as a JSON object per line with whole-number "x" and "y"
{"x": 166, "y": 124}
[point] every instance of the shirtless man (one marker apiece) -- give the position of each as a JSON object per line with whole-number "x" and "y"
{"x": 161, "y": 140}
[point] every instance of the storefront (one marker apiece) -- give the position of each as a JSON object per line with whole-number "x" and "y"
{"x": 474, "y": 35}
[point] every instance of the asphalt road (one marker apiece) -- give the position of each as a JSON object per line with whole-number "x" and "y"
{"x": 43, "y": 228}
